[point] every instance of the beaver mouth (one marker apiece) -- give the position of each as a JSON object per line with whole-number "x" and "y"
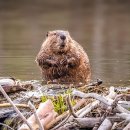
{"x": 62, "y": 45}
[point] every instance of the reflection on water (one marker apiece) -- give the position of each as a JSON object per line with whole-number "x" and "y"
{"x": 101, "y": 26}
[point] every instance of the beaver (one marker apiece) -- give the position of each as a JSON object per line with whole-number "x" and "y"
{"x": 62, "y": 59}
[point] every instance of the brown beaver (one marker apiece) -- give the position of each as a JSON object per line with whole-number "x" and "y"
{"x": 62, "y": 59}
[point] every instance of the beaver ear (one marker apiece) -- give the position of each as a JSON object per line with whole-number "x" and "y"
{"x": 47, "y": 34}
{"x": 68, "y": 32}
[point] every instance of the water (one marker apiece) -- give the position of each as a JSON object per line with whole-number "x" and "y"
{"x": 101, "y": 26}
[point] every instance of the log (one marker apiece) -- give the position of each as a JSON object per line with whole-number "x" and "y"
{"x": 106, "y": 125}
{"x": 7, "y": 82}
{"x": 87, "y": 122}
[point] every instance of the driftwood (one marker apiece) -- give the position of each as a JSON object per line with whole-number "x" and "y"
{"x": 106, "y": 125}
{"x": 32, "y": 107}
{"x": 10, "y": 85}
{"x": 86, "y": 122}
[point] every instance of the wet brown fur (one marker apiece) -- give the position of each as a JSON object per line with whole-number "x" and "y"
{"x": 69, "y": 64}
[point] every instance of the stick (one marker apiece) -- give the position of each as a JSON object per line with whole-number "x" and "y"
{"x": 71, "y": 110}
{"x": 125, "y": 104}
{"x": 91, "y": 95}
{"x": 89, "y": 108}
{"x": 17, "y": 105}
{"x": 124, "y": 116}
{"x": 127, "y": 127}
{"x": 106, "y": 125}
{"x": 6, "y": 126}
{"x": 87, "y": 122}
{"x": 15, "y": 108}
{"x": 61, "y": 123}
{"x": 32, "y": 107}
{"x": 91, "y": 85}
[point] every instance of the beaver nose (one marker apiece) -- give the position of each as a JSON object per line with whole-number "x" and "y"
{"x": 63, "y": 37}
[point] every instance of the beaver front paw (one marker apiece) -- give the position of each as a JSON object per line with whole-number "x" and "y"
{"x": 47, "y": 63}
{"x": 72, "y": 62}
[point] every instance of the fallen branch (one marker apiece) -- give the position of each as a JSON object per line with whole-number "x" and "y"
{"x": 71, "y": 110}
{"x": 61, "y": 123}
{"x": 87, "y": 122}
{"x": 17, "y": 105}
{"x": 32, "y": 107}
{"x": 6, "y": 126}
{"x": 127, "y": 127}
{"x": 91, "y": 85}
{"x": 91, "y": 95}
{"x": 124, "y": 116}
{"x": 88, "y": 108}
{"x": 125, "y": 104}
{"x": 106, "y": 125}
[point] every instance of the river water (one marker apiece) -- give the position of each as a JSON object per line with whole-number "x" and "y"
{"x": 102, "y": 27}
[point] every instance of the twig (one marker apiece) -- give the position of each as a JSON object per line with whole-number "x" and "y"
{"x": 121, "y": 124}
{"x": 114, "y": 126}
{"x": 93, "y": 84}
{"x": 17, "y": 105}
{"x": 127, "y": 127}
{"x": 91, "y": 95}
{"x": 124, "y": 116}
{"x": 61, "y": 123}
{"x": 71, "y": 110}
{"x": 6, "y": 126}
{"x": 15, "y": 108}
{"x": 87, "y": 122}
{"x": 32, "y": 107}
{"x": 88, "y": 108}
{"x": 125, "y": 104}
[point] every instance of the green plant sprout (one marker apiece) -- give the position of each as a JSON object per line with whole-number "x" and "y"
{"x": 59, "y": 101}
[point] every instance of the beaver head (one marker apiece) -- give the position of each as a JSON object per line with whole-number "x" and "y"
{"x": 58, "y": 41}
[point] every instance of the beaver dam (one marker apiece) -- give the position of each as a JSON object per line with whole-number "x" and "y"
{"x": 31, "y": 105}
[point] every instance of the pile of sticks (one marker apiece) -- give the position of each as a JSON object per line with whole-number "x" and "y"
{"x": 110, "y": 112}
{"x": 93, "y": 111}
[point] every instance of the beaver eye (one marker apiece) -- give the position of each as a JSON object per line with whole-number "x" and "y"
{"x": 47, "y": 34}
